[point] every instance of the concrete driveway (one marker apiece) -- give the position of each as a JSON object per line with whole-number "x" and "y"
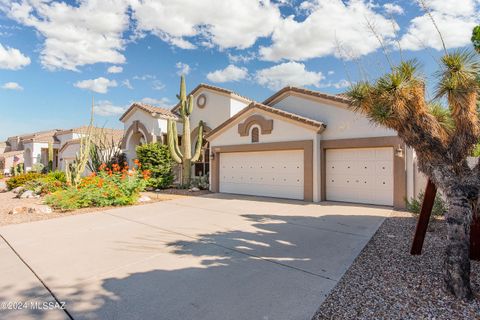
{"x": 212, "y": 257}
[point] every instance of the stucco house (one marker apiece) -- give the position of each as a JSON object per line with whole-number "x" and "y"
{"x": 297, "y": 144}
{"x": 32, "y": 148}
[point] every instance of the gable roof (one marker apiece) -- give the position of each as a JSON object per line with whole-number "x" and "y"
{"x": 319, "y": 126}
{"x": 161, "y": 112}
{"x": 99, "y": 134}
{"x": 233, "y": 94}
{"x": 317, "y": 94}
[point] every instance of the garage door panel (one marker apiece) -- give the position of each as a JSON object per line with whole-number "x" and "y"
{"x": 267, "y": 173}
{"x": 360, "y": 175}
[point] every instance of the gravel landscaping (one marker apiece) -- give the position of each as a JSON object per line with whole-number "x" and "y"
{"x": 386, "y": 282}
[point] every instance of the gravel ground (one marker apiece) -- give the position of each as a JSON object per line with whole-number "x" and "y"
{"x": 386, "y": 282}
{"x": 8, "y": 202}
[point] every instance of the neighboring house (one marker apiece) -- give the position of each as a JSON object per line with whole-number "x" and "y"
{"x": 71, "y": 139}
{"x": 31, "y": 149}
{"x": 297, "y": 144}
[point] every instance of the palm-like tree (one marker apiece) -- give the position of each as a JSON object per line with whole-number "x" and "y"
{"x": 442, "y": 137}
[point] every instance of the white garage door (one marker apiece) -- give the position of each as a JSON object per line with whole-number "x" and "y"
{"x": 267, "y": 173}
{"x": 360, "y": 175}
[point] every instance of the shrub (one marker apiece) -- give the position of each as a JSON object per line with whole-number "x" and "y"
{"x": 156, "y": 158}
{"x": 107, "y": 188}
{"x": 20, "y": 179}
{"x": 38, "y": 167}
{"x": 49, "y": 183}
{"x": 415, "y": 205}
{"x": 200, "y": 182}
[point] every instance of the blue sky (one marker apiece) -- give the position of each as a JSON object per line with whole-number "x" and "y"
{"x": 54, "y": 56}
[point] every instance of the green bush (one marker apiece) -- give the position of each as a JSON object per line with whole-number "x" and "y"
{"x": 20, "y": 179}
{"x": 108, "y": 188}
{"x": 49, "y": 183}
{"x": 156, "y": 158}
{"x": 414, "y": 205}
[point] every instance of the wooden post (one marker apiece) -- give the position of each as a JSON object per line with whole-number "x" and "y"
{"x": 475, "y": 238}
{"x": 424, "y": 218}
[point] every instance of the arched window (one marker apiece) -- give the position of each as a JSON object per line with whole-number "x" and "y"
{"x": 255, "y": 134}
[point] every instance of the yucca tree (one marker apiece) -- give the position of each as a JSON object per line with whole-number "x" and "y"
{"x": 443, "y": 134}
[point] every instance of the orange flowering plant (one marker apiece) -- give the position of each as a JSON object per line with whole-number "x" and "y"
{"x": 109, "y": 186}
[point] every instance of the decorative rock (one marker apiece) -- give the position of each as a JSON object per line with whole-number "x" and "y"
{"x": 28, "y": 194}
{"x": 149, "y": 188}
{"x": 144, "y": 199}
{"x": 17, "y": 210}
{"x": 3, "y": 186}
{"x": 39, "y": 209}
{"x": 158, "y": 190}
{"x": 18, "y": 190}
{"x": 194, "y": 189}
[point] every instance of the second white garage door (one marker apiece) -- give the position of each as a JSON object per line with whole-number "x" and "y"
{"x": 360, "y": 175}
{"x": 266, "y": 173}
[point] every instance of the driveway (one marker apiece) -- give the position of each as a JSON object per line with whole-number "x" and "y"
{"x": 211, "y": 257}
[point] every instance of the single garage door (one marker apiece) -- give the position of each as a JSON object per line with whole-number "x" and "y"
{"x": 360, "y": 175}
{"x": 266, "y": 173}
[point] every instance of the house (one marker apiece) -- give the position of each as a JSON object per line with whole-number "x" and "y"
{"x": 70, "y": 141}
{"x": 297, "y": 144}
{"x": 32, "y": 149}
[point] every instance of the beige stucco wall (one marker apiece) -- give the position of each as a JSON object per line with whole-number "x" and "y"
{"x": 283, "y": 130}
{"x": 342, "y": 123}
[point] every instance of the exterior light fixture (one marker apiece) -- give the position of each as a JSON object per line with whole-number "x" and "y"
{"x": 399, "y": 151}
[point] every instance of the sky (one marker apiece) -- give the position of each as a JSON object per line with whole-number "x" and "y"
{"x": 55, "y": 56}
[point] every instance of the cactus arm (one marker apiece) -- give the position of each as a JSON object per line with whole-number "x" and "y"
{"x": 190, "y": 105}
{"x": 173, "y": 142}
{"x": 175, "y": 139}
{"x": 198, "y": 146}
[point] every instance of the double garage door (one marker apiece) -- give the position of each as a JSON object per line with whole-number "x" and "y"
{"x": 265, "y": 173}
{"x": 360, "y": 175}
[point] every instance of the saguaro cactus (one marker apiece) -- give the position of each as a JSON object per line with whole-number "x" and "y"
{"x": 184, "y": 155}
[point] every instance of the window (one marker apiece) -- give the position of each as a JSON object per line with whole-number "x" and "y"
{"x": 255, "y": 134}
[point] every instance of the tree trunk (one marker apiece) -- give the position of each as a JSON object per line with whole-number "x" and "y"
{"x": 457, "y": 260}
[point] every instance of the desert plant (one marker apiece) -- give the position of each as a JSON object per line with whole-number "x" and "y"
{"x": 476, "y": 38}
{"x": 48, "y": 183}
{"x": 50, "y": 157}
{"x": 414, "y": 205}
{"x": 105, "y": 150}
{"x": 115, "y": 187}
{"x": 201, "y": 183}
{"x": 397, "y": 101}
{"x": 184, "y": 156}
{"x": 157, "y": 159}
{"x": 20, "y": 179}
{"x": 38, "y": 167}
{"x": 74, "y": 170}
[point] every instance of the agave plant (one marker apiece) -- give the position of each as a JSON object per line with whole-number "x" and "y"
{"x": 443, "y": 136}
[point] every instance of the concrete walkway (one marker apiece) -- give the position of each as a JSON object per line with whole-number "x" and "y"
{"x": 212, "y": 257}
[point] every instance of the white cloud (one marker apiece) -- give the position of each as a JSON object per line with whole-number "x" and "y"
{"x": 288, "y": 74}
{"x": 75, "y": 35}
{"x": 12, "y": 86}
{"x": 182, "y": 68}
{"x": 162, "y": 102}
{"x": 341, "y": 84}
{"x": 226, "y": 24}
{"x": 99, "y": 85}
{"x": 230, "y": 73}
{"x": 106, "y": 108}
{"x": 126, "y": 83}
{"x": 115, "y": 69}
{"x": 144, "y": 77}
{"x": 242, "y": 58}
{"x": 329, "y": 23}
{"x": 393, "y": 8}
{"x": 455, "y": 19}
{"x": 12, "y": 59}
{"x": 157, "y": 85}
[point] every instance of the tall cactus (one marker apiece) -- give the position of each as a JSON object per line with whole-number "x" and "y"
{"x": 184, "y": 155}
{"x": 50, "y": 157}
